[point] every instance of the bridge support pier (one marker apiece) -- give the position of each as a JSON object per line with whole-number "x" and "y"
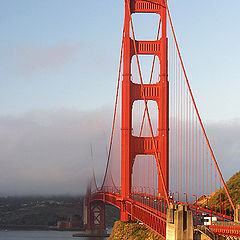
{"x": 179, "y": 223}
{"x": 237, "y": 214}
{"x": 94, "y": 218}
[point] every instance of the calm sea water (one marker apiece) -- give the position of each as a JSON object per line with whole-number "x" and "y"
{"x": 41, "y": 235}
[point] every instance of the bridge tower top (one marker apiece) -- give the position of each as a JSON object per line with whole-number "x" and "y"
{"x": 143, "y": 6}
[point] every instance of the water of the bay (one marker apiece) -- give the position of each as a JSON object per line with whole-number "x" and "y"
{"x": 41, "y": 235}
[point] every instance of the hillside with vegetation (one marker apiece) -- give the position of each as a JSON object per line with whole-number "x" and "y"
{"x": 132, "y": 231}
{"x": 233, "y": 185}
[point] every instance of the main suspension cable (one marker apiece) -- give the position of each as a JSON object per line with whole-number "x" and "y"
{"x": 115, "y": 112}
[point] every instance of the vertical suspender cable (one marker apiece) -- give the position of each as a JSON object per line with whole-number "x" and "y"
{"x": 198, "y": 116}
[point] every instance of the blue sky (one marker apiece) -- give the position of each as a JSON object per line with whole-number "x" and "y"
{"x": 64, "y": 54}
{"x": 58, "y": 72}
{"x": 208, "y": 37}
{"x": 78, "y": 44}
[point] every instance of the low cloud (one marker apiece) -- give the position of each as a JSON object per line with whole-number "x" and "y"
{"x": 48, "y": 152}
{"x": 225, "y": 139}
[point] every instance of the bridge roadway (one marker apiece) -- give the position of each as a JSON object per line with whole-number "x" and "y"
{"x": 153, "y": 218}
{"x": 149, "y": 209}
{"x": 160, "y": 204}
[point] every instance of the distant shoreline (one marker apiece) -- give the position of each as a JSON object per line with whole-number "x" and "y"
{"x": 34, "y": 227}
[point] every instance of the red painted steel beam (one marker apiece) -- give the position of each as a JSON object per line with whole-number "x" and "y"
{"x": 126, "y": 123}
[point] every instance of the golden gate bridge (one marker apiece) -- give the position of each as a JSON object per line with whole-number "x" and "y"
{"x": 159, "y": 154}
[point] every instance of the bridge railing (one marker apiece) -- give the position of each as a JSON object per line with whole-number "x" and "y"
{"x": 107, "y": 189}
{"x": 140, "y": 195}
{"x": 226, "y": 230}
{"x": 152, "y": 214}
{"x": 154, "y": 202}
{"x": 111, "y": 189}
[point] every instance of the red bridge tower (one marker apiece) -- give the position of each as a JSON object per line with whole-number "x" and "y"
{"x": 131, "y": 146}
